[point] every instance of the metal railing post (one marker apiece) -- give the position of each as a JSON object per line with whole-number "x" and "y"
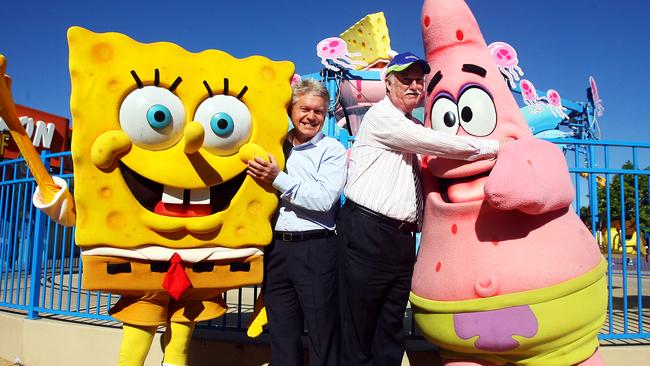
{"x": 40, "y": 224}
{"x": 330, "y": 81}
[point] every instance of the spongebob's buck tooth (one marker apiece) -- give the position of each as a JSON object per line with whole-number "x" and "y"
{"x": 200, "y": 196}
{"x": 172, "y": 195}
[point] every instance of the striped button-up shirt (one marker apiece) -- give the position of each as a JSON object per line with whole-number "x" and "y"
{"x": 380, "y": 170}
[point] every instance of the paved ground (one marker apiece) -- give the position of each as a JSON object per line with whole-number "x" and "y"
{"x": 62, "y": 293}
{"x": 4, "y": 362}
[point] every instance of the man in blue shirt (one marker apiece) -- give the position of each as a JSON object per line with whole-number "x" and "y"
{"x": 301, "y": 266}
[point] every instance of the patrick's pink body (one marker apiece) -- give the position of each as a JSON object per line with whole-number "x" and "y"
{"x": 496, "y": 227}
{"x": 484, "y": 245}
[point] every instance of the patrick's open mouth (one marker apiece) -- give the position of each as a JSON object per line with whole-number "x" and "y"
{"x": 465, "y": 189}
{"x": 179, "y": 202}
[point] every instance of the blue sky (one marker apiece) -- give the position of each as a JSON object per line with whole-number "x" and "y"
{"x": 560, "y": 43}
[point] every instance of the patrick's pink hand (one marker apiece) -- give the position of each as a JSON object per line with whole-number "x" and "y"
{"x": 531, "y": 176}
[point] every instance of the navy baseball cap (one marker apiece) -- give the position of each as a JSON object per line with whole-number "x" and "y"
{"x": 403, "y": 60}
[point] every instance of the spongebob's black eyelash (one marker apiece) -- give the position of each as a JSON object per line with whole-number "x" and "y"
{"x": 242, "y": 92}
{"x": 207, "y": 86}
{"x": 175, "y": 84}
{"x": 225, "y": 88}
{"x": 156, "y": 80}
{"x": 137, "y": 79}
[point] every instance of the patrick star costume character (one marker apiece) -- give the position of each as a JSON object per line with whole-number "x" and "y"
{"x": 506, "y": 273}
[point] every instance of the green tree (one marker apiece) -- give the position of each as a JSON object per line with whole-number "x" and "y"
{"x": 630, "y": 199}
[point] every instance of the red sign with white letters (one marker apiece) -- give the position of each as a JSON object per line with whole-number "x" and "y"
{"x": 47, "y": 132}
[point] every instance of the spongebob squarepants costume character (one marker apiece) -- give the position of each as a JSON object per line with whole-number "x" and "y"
{"x": 165, "y": 214}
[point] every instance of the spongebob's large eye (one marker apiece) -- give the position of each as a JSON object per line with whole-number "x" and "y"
{"x": 222, "y": 124}
{"x": 153, "y": 117}
{"x": 478, "y": 116}
{"x": 444, "y": 115}
{"x": 227, "y": 123}
{"x": 159, "y": 116}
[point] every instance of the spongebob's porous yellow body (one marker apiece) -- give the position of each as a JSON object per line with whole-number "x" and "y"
{"x": 160, "y": 144}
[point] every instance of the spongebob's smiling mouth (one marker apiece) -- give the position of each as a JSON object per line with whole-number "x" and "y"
{"x": 177, "y": 202}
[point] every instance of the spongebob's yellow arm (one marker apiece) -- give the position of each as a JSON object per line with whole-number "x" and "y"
{"x": 8, "y": 113}
{"x": 52, "y": 197}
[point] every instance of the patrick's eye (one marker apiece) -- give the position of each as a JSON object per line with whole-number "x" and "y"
{"x": 478, "y": 115}
{"x": 444, "y": 115}
{"x": 227, "y": 123}
{"x": 153, "y": 117}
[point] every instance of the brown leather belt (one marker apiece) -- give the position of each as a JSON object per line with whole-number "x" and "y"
{"x": 399, "y": 225}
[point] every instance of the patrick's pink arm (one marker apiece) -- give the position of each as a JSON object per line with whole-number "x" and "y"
{"x": 531, "y": 176}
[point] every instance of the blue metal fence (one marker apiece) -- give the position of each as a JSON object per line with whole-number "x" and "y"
{"x": 40, "y": 269}
{"x": 609, "y": 175}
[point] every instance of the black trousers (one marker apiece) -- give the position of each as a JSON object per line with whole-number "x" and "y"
{"x": 375, "y": 267}
{"x": 301, "y": 287}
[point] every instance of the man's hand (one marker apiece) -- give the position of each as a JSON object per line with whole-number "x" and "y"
{"x": 263, "y": 170}
{"x": 504, "y": 141}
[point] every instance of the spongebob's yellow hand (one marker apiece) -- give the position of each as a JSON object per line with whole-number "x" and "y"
{"x": 49, "y": 191}
{"x": 259, "y": 319}
{"x": 257, "y": 325}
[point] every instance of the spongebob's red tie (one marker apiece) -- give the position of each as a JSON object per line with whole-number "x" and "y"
{"x": 176, "y": 281}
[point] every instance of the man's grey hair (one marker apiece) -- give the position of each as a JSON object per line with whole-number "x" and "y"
{"x": 390, "y": 78}
{"x": 310, "y": 87}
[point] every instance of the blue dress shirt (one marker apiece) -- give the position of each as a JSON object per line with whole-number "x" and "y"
{"x": 311, "y": 184}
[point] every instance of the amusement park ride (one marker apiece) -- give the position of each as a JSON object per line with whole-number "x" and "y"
{"x": 353, "y": 72}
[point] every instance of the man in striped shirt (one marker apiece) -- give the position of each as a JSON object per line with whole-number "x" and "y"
{"x": 378, "y": 222}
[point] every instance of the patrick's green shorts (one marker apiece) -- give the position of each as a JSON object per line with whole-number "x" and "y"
{"x": 557, "y": 325}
